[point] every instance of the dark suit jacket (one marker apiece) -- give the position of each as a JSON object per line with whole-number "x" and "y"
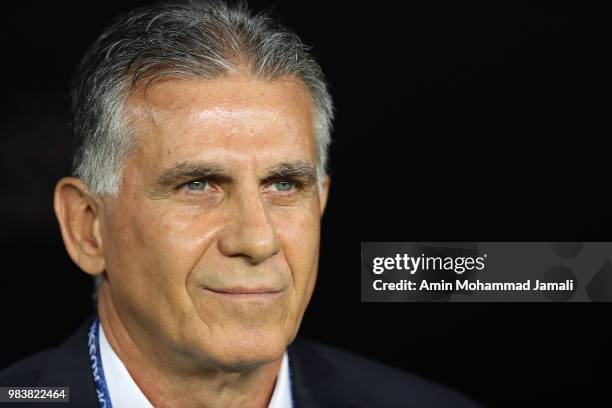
{"x": 320, "y": 377}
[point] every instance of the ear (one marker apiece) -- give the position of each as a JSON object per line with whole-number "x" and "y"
{"x": 323, "y": 193}
{"x": 78, "y": 215}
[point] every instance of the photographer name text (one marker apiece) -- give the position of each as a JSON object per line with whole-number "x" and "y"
{"x": 477, "y": 285}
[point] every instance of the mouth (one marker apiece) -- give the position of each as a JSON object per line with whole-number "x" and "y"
{"x": 245, "y": 293}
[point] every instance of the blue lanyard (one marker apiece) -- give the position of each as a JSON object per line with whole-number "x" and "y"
{"x": 93, "y": 344}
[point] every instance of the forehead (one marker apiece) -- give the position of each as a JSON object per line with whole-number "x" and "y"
{"x": 236, "y": 116}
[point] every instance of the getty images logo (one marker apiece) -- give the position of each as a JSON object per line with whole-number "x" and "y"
{"x": 413, "y": 264}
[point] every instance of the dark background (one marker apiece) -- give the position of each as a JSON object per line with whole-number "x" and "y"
{"x": 455, "y": 122}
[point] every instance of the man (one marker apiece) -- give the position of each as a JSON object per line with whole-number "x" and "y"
{"x": 202, "y": 134}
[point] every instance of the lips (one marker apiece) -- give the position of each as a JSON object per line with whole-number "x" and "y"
{"x": 240, "y": 290}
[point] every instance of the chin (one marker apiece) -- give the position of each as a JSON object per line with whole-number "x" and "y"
{"x": 250, "y": 347}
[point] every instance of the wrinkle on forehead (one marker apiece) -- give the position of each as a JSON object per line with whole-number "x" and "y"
{"x": 225, "y": 99}
{"x": 230, "y": 114}
{"x": 231, "y": 90}
{"x": 180, "y": 114}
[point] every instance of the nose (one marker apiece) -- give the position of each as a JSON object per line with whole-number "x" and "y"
{"x": 250, "y": 233}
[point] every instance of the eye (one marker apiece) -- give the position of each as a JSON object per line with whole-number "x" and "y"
{"x": 283, "y": 185}
{"x": 196, "y": 185}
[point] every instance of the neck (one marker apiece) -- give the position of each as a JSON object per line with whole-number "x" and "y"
{"x": 162, "y": 378}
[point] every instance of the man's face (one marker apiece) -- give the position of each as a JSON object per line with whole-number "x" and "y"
{"x": 212, "y": 243}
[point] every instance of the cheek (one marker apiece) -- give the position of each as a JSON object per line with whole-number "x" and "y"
{"x": 299, "y": 235}
{"x": 156, "y": 250}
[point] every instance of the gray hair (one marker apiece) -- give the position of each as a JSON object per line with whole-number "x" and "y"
{"x": 194, "y": 39}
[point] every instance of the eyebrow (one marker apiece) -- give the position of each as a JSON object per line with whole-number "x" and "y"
{"x": 188, "y": 170}
{"x": 303, "y": 171}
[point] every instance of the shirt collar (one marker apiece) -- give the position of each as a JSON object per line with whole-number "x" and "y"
{"x": 281, "y": 397}
{"x": 124, "y": 392}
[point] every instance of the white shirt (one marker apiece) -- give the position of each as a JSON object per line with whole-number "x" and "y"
{"x": 124, "y": 392}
